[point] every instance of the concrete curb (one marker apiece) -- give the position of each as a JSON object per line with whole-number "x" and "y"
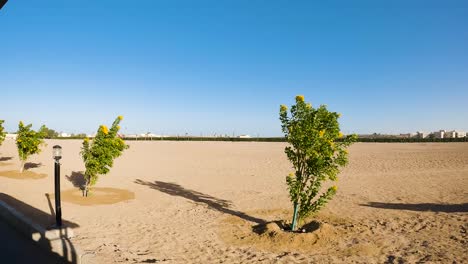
{"x": 54, "y": 240}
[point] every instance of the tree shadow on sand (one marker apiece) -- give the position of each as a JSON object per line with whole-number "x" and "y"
{"x": 6, "y": 158}
{"x": 31, "y": 165}
{"x": 77, "y": 179}
{"x": 431, "y": 207}
{"x": 213, "y": 203}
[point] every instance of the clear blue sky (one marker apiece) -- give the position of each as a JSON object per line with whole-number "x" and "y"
{"x": 225, "y": 66}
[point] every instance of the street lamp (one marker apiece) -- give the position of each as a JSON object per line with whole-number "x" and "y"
{"x": 57, "y": 154}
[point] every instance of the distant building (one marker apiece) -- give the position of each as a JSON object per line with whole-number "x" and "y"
{"x": 409, "y": 135}
{"x": 451, "y": 134}
{"x": 147, "y": 135}
{"x": 439, "y": 134}
{"x": 421, "y": 134}
{"x": 245, "y": 136}
{"x": 64, "y": 135}
{"x": 461, "y": 134}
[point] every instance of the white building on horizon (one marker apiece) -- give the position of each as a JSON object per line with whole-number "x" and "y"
{"x": 439, "y": 134}
{"x": 421, "y": 134}
{"x": 451, "y": 134}
{"x": 461, "y": 134}
{"x": 143, "y": 135}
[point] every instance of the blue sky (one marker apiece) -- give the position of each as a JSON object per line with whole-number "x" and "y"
{"x": 177, "y": 67}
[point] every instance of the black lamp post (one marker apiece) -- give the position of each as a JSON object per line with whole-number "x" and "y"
{"x": 57, "y": 153}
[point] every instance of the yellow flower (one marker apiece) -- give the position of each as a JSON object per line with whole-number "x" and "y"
{"x": 120, "y": 117}
{"x": 309, "y": 105}
{"x": 334, "y": 188}
{"x": 321, "y": 133}
{"x": 300, "y": 98}
{"x": 118, "y": 127}
{"x": 283, "y": 108}
{"x": 340, "y": 135}
{"x": 86, "y": 139}
{"x": 104, "y": 129}
{"x": 291, "y": 174}
{"x": 346, "y": 151}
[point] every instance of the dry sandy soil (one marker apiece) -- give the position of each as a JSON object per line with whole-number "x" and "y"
{"x": 199, "y": 202}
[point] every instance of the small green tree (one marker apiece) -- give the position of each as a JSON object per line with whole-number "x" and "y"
{"x": 317, "y": 150}
{"x": 28, "y": 142}
{"x": 2, "y": 132}
{"x": 50, "y": 133}
{"x": 99, "y": 154}
{"x": 80, "y": 135}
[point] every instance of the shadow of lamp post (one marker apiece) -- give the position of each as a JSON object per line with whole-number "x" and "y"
{"x": 57, "y": 153}
{"x": 2, "y": 3}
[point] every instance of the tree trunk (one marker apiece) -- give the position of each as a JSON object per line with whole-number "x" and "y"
{"x": 22, "y": 166}
{"x": 294, "y": 221}
{"x": 86, "y": 188}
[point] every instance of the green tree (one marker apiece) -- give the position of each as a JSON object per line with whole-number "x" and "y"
{"x": 80, "y": 135}
{"x": 2, "y": 132}
{"x": 50, "y": 133}
{"x": 317, "y": 150}
{"x": 99, "y": 154}
{"x": 28, "y": 142}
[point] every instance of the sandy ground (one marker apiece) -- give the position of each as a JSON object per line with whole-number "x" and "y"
{"x": 197, "y": 202}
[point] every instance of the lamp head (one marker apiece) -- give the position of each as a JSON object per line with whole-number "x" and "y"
{"x": 57, "y": 152}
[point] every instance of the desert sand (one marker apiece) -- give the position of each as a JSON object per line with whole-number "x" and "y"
{"x": 201, "y": 202}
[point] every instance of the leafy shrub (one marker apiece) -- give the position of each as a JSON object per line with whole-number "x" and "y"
{"x": 317, "y": 150}
{"x": 2, "y": 132}
{"x": 28, "y": 142}
{"x": 99, "y": 154}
